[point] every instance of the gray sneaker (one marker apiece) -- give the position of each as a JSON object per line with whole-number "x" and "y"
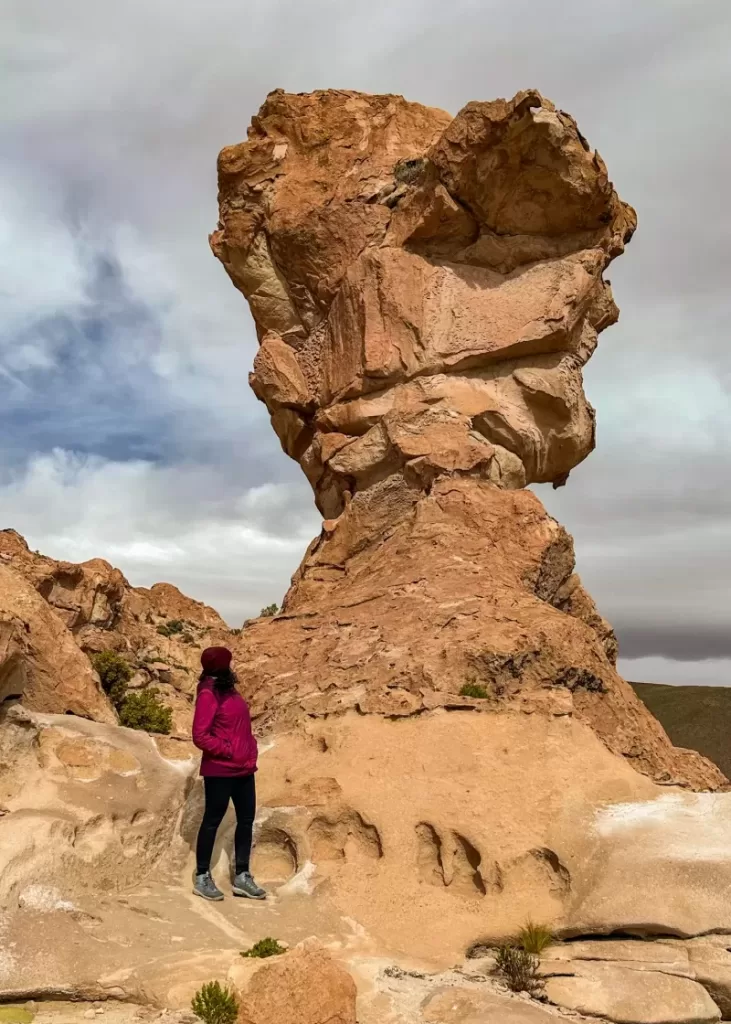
{"x": 244, "y": 885}
{"x": 205, "y": 886}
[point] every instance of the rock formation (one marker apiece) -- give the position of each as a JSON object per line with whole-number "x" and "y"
{"x": 54, "y": 615}
{"x": 83, "y": 805}
{"x": 426, "y": 290}
{"x": 39, "y": 659}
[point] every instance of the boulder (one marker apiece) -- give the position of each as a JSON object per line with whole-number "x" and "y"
{"x": 669, "y": 846}
{"x": 711, "y": 965}
{"x": 304, "y": 986}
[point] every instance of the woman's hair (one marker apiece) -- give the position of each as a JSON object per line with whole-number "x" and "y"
{"x": 224, "y": 679}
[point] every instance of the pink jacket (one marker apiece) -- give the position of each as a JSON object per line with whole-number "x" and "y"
{"x": 222, "y": 730}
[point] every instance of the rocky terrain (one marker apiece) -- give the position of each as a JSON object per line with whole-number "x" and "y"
{"x": 447, "y": 749}
{"x": 53, "y": 615}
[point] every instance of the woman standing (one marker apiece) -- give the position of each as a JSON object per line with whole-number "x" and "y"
{"x": 222, "y": 730}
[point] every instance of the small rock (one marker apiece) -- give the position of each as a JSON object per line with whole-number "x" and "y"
{"x": 89, "y": 1014}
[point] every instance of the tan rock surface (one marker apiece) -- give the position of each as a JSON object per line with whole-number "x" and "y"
{"x": 706, "y": 960}
{"x": 39, "y": 660}
{"x": 403, "y": 266}
{"x": 483, "y": 822}
{"x": 631, "y": 997}
{"x": 457, "y": 1006}
{"x": 393, "y": 612}
{"x": 305, "y": 986}
{"x": 87, "y": 806}
{"x": 93, "y": 607}
{"x": 669, "y": 846}
{"x": 711, "y": 966}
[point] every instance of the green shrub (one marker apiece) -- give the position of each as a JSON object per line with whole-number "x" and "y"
{"x": 215, "y": 1004}
{"x": 114, "y": 673}
{"x": 235, "y": 632}
{"x": 519, "y": 969}
{"x": 409, "y": 171}
{"x": 473, "y": 690}
{"x": 171, "y": 628}
{"x": 271, "y": 609}
{"x": 264, "y": 948}
{"x": 534, "y": 938}
{"x": 144, "y": 710}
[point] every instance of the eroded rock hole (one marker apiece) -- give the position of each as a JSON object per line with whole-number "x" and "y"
{"x": 344, "y": 836}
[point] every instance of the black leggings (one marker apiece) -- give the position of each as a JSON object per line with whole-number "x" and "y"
{"x": 219, "y": 790}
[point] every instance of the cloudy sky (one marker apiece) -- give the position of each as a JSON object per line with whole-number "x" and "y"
{"x": 127, "y": 429}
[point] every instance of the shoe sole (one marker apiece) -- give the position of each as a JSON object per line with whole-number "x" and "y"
{"x": 247, "y": 896}
{"x": 211, "y": 899}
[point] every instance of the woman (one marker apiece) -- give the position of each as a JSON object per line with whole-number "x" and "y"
{"x": 222, "y": 730}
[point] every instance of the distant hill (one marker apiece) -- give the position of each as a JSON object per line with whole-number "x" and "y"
{"x": 698, "y": 717}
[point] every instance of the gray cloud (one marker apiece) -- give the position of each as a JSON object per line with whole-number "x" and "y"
{"x": 110, "y": 128}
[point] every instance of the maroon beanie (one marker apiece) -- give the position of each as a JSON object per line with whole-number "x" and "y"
{"x": 216, "y": 659}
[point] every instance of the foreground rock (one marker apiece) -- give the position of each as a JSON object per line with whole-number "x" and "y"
{"x": 84, "y": 806}
{"x": 705, "y": 960}
{"x": 303, "y": 987}
{"x": 632, "y": 997}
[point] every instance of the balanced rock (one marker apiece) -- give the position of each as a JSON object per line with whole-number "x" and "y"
{"x": 426, "y": 290}
{"x": 450, "y": 731}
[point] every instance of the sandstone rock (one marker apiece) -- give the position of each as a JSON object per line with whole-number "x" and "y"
{"x": 633, "y": 954}
{"x": 711, "y": 966}
{"x": 304, "y": 986}
{"x": 93, "y": 607}
{"x": 414, "y": 248}
{"x": 89, "y": 805}
{"x": 707, "y": 960}
{"x": 39, "y": 660}
{"x": 481, "y": 821}
{"x": 407, "y": 600}
{"x": 426, "y": 290}
{"x": 455, "y": 1006}
{"x": 632, "y": 997}
{"x": 172, "y": 980}
{"x": 669, "y": 846}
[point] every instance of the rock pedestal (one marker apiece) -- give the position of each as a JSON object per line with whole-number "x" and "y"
{"x": 426, "y": 290}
